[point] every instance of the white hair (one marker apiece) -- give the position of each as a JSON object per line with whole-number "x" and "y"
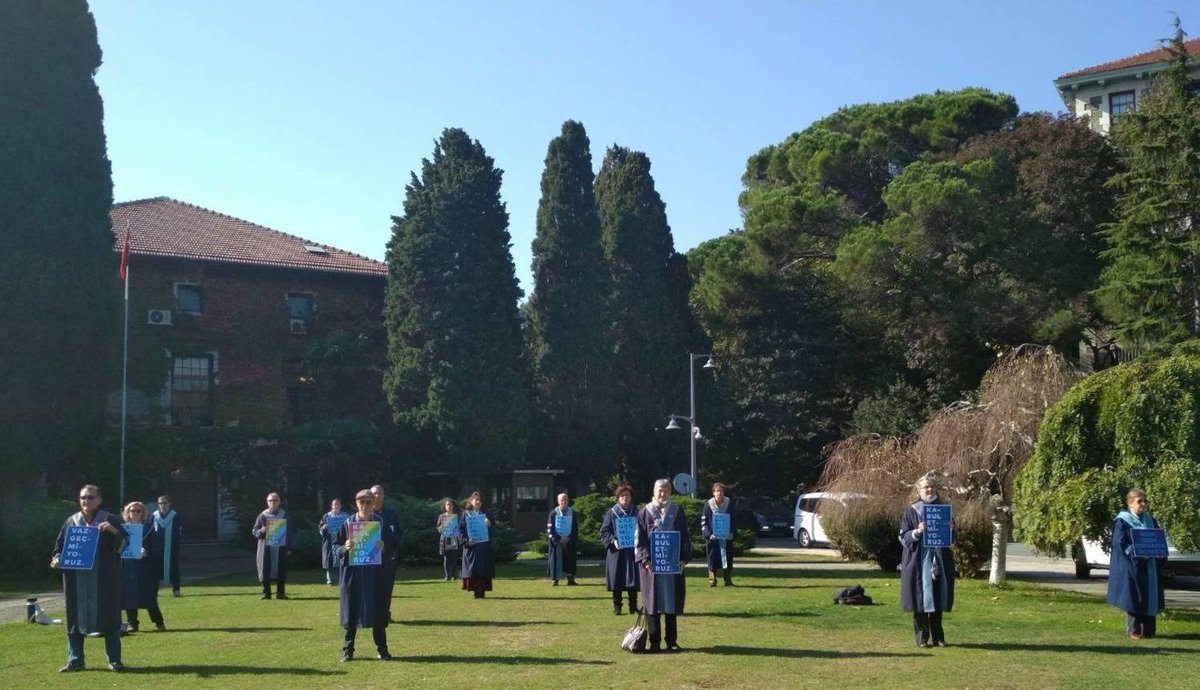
{"x": 662, "y": 482}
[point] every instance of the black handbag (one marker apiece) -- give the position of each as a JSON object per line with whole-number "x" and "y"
{"x": 635, "y": 637}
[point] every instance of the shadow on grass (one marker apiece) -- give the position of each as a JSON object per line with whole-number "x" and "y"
{"x": 235, "y": 630}
{"x": 550, "y": 598}
{"x": 743, "y": 585}
{"x": 481, "y": 624}
{"x": 506, "y": 660}
{"x": 223, "y": 670}
{"x": 748, "y": 614}
{"x": 1180, "y": 636}
{"x": 730, "y": 650}
{"x": 293, "y": 597}
{"x": 1139, "y": 648}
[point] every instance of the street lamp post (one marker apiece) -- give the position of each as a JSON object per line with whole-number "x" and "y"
{"x": 691, "y": 418}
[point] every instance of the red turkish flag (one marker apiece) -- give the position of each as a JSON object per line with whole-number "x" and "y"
{"x": 125, "y": 256}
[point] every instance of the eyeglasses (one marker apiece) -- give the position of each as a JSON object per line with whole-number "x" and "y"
{"x": 87, "y": 498}
{"x": 164, "y": 503}
{"x": 272, "y": 500}
{"x": 1139, "y": 500}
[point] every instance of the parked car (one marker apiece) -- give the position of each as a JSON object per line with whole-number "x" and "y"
{"x": 1090, "y": 555}
{"x": 806, "y": 525}
{"x": 765, "y": 516}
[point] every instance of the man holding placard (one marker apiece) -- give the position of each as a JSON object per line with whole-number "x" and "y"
{"x": 563, "y": 529}
{"x": 88, "y": 552}
{"x": 328, "y": 527}
{"x": 274, "y": 539}
{"x": 617, "y": 534}
{"x": 662, "y": 546}
{"x": 1135, "y": 585}
{"x": 717, "y": 526}
{"x": 927, "y": 564}
{"x": 359, "y": 545}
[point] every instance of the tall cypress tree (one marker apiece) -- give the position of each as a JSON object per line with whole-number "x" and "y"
{"x": 59, "y": 314}
{"x": 455, "y": 355}
{"x": 1151, "y": 288}
{"x": 567, "y": 319}
{"x": 653, "y": 325}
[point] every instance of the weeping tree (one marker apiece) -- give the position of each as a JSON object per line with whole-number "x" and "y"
{"x": 972, "y": 450}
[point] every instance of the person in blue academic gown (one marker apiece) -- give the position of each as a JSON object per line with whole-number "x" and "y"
{"x": 718, "y": 552}
{"x": 478, "y": 566}
{"x": 139, "y": 576}
{"x": 926, "y": 573}
{"x": 1135, "y": 584}
{"x": 563, "y": 553}
{"x": 272, "y": 560}
{"x": 170, "y": 534}
{"x": 662, "y": 594}
{"x": 93, "y": 596}
{"x": 329, "y": 562}
{"x": 391, "y": 554}
{"x": 365, "y": 590}
{"x": 620, "y": 569}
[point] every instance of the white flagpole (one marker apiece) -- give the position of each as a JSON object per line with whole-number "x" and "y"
{"x": 125, "y": 376}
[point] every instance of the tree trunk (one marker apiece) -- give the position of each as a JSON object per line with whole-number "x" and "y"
{"x": 999, "y": 551}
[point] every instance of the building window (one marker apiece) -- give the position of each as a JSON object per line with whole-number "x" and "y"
{"x": 300, "y": 306}
{"x": 189, "y": 299}
{"x": 1121, "y": 103}
{"x": 191, "y": 391}
{"x": 532, "y": 499}
{"x": 1095, "y": 102}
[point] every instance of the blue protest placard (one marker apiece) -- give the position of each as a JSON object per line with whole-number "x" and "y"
{"x": 276, "y": 529}
{"x": 368, "y": 547}
{"x": 721, "y": 527}
{"x": 477, "y": 529}
{"x": 626, "y": 529}
{"x": 133, "y": 549}
{"x": 664, "y": 553}
{"x": 563, "y": 524}
{"x": 333, "y": 523}
{"x": 450, "y": 527}
{"x": 79, "y": 548}
{"x": 937, "y": 517}
{"x": 1149, "y": 542}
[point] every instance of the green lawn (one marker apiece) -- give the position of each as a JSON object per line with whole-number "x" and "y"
{"x": 777, "y": 629}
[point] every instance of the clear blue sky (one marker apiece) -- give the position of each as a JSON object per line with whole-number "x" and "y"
{"x": 308, "y": 116}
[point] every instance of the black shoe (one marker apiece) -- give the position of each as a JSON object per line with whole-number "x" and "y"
{"x": 116, "y": 666}
{"x": 729, "y": 583}
{"x": 940, "y": 643}
{"x": 161, "y": 627}
{"x": 383, "y": 656}
{"x": 653, "y": 650}
{"x": 554, "y": 582}
{"x": 281, "y": 595}
{"x": 347, "y": 656}
{"x": 71, "y": 667}
{"x": 922, "y": 644}
{"x": 265, "y": 595}
{"x": 571, "y": 582}
{"x": 133, "y": 626}
{"x": 617, "y": 610}
{"x": 674, "y": 649}
{"x": 175, "y": 593}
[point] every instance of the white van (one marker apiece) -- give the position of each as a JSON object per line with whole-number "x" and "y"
{"x": 806, "y": 527}
{"x": 1090, "y": 555}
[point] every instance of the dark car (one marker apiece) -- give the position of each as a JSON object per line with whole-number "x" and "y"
{"x": 764, "y": 516}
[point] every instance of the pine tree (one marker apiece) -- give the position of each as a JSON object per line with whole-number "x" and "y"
{"x": 1151, "y": 288}
{"x": 653, "y": 327}
{"x": 59, "y": 314}
{"x": 567, "y": 319}
{"x": 454, "y": 332}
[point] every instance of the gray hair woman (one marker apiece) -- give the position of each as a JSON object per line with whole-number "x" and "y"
{"x": 663, "y": 592}
{"x": 926, "y": 572}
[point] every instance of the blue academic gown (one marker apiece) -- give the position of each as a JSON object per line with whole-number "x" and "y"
{"x": 712, "y": 547}
{"x": 139, "y": 576}
{"x": 477, "y": 562}
{"x": 620, "y": 568}
{"x": 662, "y": 593}
{"x": 1134, "y": 584}
{"x": 926, "y": 574}
{"x": 328, "y": 558}
{"x": 94, "y": 596}
{"x": 365, "y": 589}
{"x": 170, "y": 533}
{"x": 562, "y": 558}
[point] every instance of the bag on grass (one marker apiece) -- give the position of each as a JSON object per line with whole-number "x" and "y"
{"x": 635, "y": 637}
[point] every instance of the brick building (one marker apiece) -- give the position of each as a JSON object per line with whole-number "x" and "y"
{"x": 235, "y": 325}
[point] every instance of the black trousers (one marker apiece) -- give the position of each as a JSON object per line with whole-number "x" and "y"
{"x": 654, "y": 629}
{"x": 450, "y": 564}
{"x": 928, "y": 627}
{"x": 1142, "y": 625}
{"x": 632, "y": 600}
{"x": 280, "y": 586}
{"x": 378, "y": 634}
{"x": 131, "y": 615}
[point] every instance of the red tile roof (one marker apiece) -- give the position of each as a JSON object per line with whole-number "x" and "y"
{"x": 170, "y": 228}
{"x": 1147, "y": 58}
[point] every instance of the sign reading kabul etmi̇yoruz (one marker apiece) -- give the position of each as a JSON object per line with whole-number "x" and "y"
{"x": 626, "y": 529}
{"x": 276, "y": 532}
{"x": 367, "y": 549}
{"x": 664, "y": 553}
{"x": 477, "y": 529}
{"x": 1149, "y": 542}
{"x": 133, "y": 549}
{"x": 79, "y": 548}
{"x": 937, "y": 517}
{"x": 563, "y": 524}
{"x": 722, "y": 526}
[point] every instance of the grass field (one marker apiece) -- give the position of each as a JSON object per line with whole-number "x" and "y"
{"x": 777, "y": 629}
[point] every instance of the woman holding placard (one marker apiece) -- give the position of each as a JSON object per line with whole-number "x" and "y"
{"x": 926, "y": 571}
{"x": 1135, "y": 581}
{"x": 716, "y": 524}
{"x": 448, "y": 542}
{"x": 616, "y": 536}
{"x": 365, "y": 592}
{"x": 274, "y": 536}
{"x": 328, "y": 527}
{"x": 478, "y": 566}
{"x": 563, "y": 531}
{"x": 662, "y": 546}
{"x": 139, "y": 568}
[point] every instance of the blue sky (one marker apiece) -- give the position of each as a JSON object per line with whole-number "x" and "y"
{"x": 308, "y": 116}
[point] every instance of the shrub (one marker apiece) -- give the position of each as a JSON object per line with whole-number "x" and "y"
{"x": 865, "y": 530}
{"x": 28, "y": 540}
{"x": 972, "y": 537}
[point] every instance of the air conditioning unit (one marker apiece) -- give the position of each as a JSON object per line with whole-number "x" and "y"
{"x": 158, "y": 317}
{"x": 297, "y": 326}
